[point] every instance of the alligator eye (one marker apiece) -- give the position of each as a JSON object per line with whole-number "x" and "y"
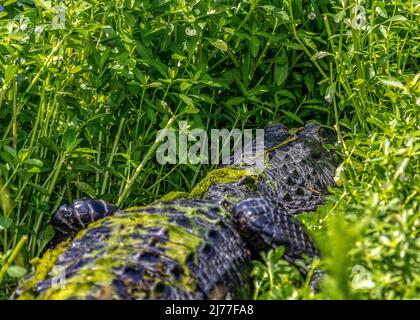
{"x": 314, "y": 146}
{"x": 213, "y": 234}
{"x": 327, "y": 135}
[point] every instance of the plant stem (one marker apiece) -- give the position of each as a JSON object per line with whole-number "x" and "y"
{"x": 142, "y": 164}
{"x": 113, "y": 152}
{"x": 12, "y": 257}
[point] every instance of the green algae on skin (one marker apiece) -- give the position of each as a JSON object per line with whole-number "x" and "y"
{"x": 95, "y": 278}
{"x": 223, "y": 175}
{"x": 174, "y": 195}
{"x": 43, "y": 267}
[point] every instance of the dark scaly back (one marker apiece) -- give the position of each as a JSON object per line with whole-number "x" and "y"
{"x": 183, "y": 249}
{"x": 265, "y": 226}
{"x": 69, "y": 219}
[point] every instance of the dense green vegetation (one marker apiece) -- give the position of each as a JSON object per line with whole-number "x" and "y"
{"x": 81, "y": 102}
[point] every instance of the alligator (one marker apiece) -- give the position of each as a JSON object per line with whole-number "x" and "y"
{"x": 195, "y": 245}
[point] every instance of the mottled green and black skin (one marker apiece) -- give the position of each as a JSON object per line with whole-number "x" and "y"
{"x": 196, "y": 245}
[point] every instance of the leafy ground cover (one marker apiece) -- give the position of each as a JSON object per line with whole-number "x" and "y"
{"x": 86, "y": 84}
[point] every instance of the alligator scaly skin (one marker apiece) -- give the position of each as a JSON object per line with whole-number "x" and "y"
{"x": 187, "y": 248}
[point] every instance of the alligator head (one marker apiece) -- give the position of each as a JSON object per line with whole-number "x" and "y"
{"x": 297, "y": 169}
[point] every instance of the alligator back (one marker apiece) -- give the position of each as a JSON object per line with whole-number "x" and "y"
{"x": 149, "y": 253}
{"x": 191, "y": 248}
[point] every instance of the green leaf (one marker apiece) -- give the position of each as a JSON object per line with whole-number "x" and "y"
{"x": 401, "y": 167}
{"x": 39, "y": 188}
{"x": 69, "y": 140}
{"x": 308, "y": 79}
{"x": 330, "y": 92}
{"x": 50, "y": 144}
{"x": 34, "y": 163}
{"x": 84, "y": 151}
{"x": 293, "y": 116}
{"x": 257, "y": 91}
{"x": 320, "y": 54}
{"x": 391, "y": 82}
{"x": 234, "y": 101}
{"x": 281, "y": 68}
{"x": 191, "y": 109}
{"x": 339, "y": 16}
{"x": 48, "y": 233}
{"x": 185, "y": 85}
{"x": 157, "y": 65}
{"x": 140, "y": 76}
{"x": 16, "y": 271}
{"x": 23, "y": 154}
{"x": 69, "y": 137}
{"x": 10, "y": 151}
{"x": 293, "y": 45}
{"x": 12, "y": 1}
{"x": 188, "y": 101}
{"x": 85, "y": 188}
{"x": 143, "y": 51}
{"x": 10, "y": 73}
{"x": 219, "y": 44}
{"x": 398, "y": 18}
{"x": 280, "y": 73}
{"x": 255, "y": 46}
{"x": 163, "y": 107}
{"x": 375, "y": 122}
{"x": 286, "y": 93}
{"x": 151, "y": 114}
{"x": 5, "y": 223}
{"x": 104, "y": 58}
{"x": 76, "y": 69}
{"x": 177, "y": 56}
